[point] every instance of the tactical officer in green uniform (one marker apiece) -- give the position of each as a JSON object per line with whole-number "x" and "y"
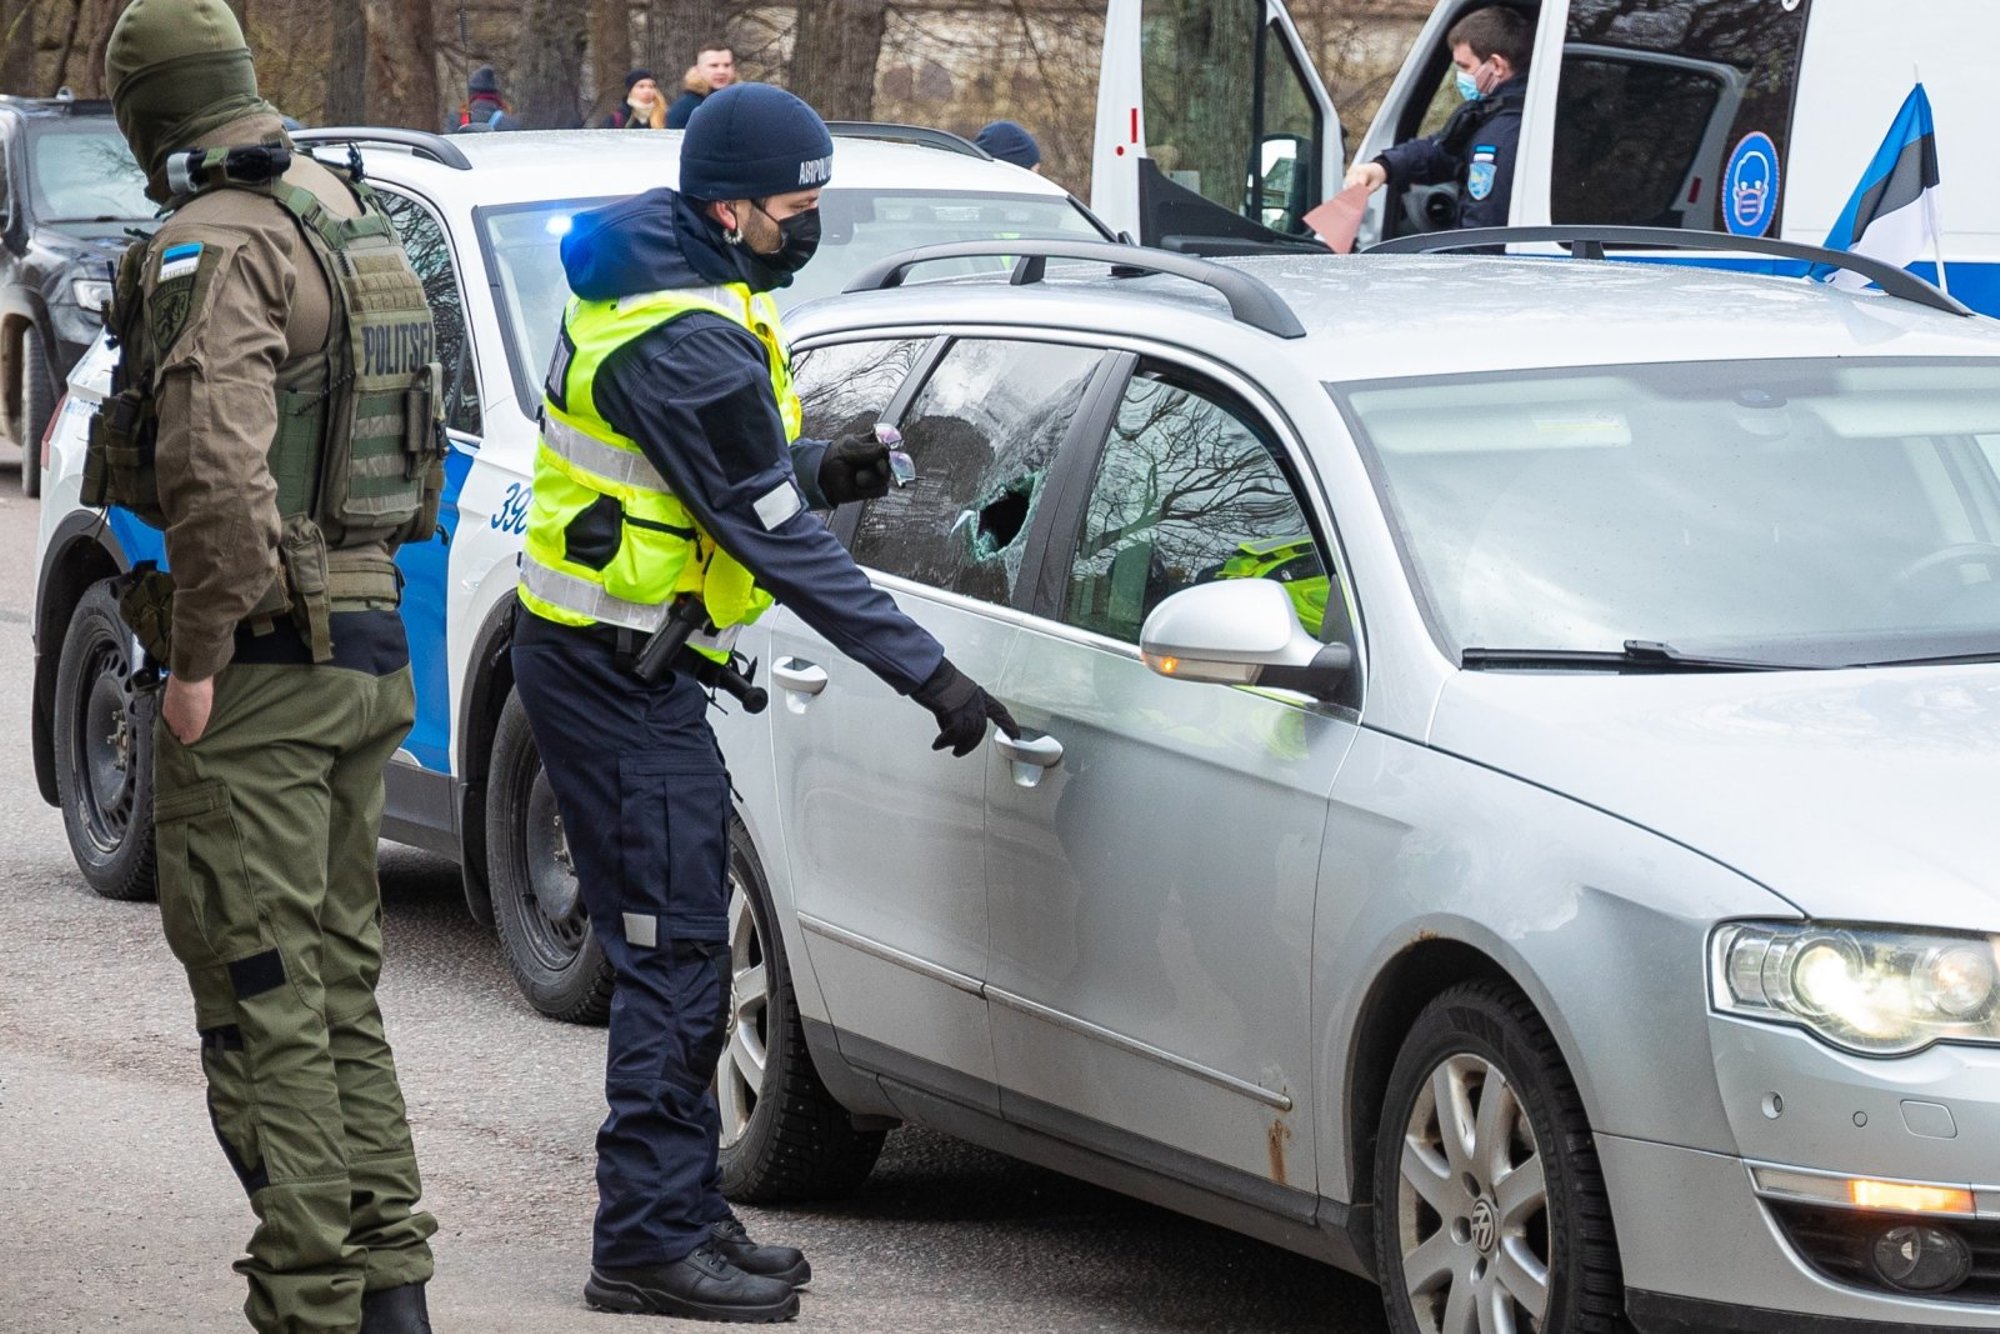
{"x": 273, "y": 412}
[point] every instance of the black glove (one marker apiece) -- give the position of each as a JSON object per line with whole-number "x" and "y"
{"x": 962, "y": 710}
{"x": 854, "y": 467}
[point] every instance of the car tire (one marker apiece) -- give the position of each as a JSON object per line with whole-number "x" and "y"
{"x": 104, "y": 750}
{"x": 544, "y": 931}
{"x": 783, "y": 1135}
{"x": 38, "y": 404}
{"x": 1517, "y": 1219}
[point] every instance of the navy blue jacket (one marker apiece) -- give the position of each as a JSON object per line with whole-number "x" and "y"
{"x": 683, "y": 107}
{"x": 1477, "y": 148}
{"x": 695, "y": 394}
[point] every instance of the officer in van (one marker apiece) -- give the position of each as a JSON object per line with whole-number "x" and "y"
{"x": 272, "y": 411}
{"x": 673, "y": 490}
{"x": 1477, "y": 148}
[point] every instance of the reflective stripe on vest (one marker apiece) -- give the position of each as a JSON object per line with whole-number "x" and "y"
{"x": 584, "y": 562}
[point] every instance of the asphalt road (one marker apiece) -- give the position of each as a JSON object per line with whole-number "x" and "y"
{"x": 117, "y": 1211}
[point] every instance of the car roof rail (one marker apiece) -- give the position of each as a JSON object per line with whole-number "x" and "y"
{"x": 1251, "y": 300}
{"x": 1589, "y": 242}
{"x": 421, "y": 143}
{"x": 895, "y": 133}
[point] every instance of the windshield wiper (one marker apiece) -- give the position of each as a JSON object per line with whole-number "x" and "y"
{"x": 1638, "y": 655}
{"x": 1938, "y": 659}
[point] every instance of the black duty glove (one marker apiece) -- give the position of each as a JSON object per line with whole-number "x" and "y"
{"x": 962, "y": 710}
{"x": 854, "y": 467}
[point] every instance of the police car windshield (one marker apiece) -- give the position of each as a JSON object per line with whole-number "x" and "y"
{"x": 1812, "y": 512}
{"x": 858, "y": 227}
{"x": 82, "y": 172}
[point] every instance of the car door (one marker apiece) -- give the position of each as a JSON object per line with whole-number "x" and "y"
{"x": 420, "y": 806}
{"x": 884, "y": 835}
{"x": 1152, "y": 889}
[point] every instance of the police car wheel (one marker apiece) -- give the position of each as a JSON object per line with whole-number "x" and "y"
{"x": 1490, "y": 1207}
{"x": 544, "y": 931}
{"x": 783, "y": 1135}
{"x": 38, "y": 404}
{"x": 104, "y": 751}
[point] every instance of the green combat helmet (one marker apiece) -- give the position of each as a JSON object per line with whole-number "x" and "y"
{"x": 177, "y": 70}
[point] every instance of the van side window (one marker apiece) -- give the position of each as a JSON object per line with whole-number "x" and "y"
{"x": 1658, "y": 99}
{"x": 1189, "y": 490}
{"x": 982, "y": 431}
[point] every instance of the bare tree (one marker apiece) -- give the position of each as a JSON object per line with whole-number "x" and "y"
{"x": 103, "y": 17}
{"x": 674, "y": 28}
{"x": 548, "y": 83}
{"x": 611, "y": 54}
{"x": 402, "y": 63}
{"x": 834, "y": 52}
{"x": 17, "y": 46}
{"x": 347, "y": 71}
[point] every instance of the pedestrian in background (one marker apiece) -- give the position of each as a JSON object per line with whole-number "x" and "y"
{"x": 275, "y": 358}
{"x": 713, "y": 70}
{"x": 1009, "y": 141}
{"x": 671, "y": 480}
{"x": 645, "y": 108}
{"x": 484, "y": 109}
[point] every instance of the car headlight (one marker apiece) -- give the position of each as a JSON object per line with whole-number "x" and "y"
{"x": 1877, "y": 991}
{"x": 92, "y": 294}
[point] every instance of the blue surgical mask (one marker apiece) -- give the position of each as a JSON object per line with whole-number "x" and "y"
{"x": 1468, "y": 84}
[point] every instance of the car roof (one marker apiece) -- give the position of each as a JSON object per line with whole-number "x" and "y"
{"x": 1394, "y": 316}
{"x": 526, "y": 165}
{"x": 55, "y": 108}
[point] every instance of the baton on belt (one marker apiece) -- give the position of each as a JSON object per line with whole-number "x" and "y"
{"x": 684, "y": 616}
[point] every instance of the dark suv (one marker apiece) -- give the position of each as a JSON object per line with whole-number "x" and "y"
{"x": 69, "y": 193}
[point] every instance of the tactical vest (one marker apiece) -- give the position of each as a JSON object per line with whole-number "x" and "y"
{"x": 358, "y": 454}
{"x": 608, "y": 542}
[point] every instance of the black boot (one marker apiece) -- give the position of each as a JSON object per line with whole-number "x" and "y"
{"x": 699, "y": 1286}
{"x": 398, "y": 1310}
{"x": 781, "y": 1262}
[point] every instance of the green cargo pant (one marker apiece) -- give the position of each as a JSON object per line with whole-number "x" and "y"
{"x": 267, "y": 827}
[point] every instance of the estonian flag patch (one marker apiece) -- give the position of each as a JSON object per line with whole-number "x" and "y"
{"x": 179, "y": 261}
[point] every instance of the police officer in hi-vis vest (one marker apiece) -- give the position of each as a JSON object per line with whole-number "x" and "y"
{"x": 273, "y": 413}
{"x": 670, "y": 475}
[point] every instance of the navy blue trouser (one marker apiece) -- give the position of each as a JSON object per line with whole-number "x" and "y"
{"x": 644, "y": 798}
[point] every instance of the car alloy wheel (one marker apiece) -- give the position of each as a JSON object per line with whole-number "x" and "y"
{"x": 1491, "y": 1215}
{"x": 739, "y": 1078}
{"x": 1472, "y": 1208}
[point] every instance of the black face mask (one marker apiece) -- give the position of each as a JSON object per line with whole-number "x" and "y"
{"x": 798, "y": 241}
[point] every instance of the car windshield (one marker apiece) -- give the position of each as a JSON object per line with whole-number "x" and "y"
{"x": 1812, "y": 512}
{"x": 84, "y": 173}
{"x": 858, "y": 228}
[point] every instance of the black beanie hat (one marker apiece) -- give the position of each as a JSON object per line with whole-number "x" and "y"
{"x": 1009, "y": 142}
{"x": 752, "y": 141}
{"x": 632, "y": 77}
{"x": 483, "y": 80}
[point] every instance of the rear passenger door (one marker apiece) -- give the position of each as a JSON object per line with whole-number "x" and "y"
{"x": 1152, "y": 889}
{"x": 885, "y": 836}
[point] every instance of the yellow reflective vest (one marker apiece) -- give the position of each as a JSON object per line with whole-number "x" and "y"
{"x": 608, "y": 542}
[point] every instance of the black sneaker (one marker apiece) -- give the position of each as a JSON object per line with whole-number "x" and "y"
{"x": 780, "y": 1262}
{"x": 700, "y": 1286}
{"x": 398, "y": 1310}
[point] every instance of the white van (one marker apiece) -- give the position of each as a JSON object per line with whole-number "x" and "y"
{"x": 1216, "y": 135}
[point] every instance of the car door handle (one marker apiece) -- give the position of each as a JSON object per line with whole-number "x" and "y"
{"x": 1033, "y": 748}
{"x": 799, "y": 676}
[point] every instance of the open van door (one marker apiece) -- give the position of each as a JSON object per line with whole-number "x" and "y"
{"x": 1215, "y": 134}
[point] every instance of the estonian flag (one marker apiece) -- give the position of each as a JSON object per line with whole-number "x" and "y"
{"x": 1893, "y": 216}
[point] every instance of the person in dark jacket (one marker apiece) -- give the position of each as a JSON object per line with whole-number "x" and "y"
{"x": 1009, "y": 141}
{"x": 671, "y": 480}
{"x": 713, "y": 70}
{"x": 644, "y": 108}
{"x": 484, "y": 108}
{"x": 1478, "y": 146}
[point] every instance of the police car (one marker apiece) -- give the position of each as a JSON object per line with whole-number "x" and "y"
{"x": 481, "y": 218}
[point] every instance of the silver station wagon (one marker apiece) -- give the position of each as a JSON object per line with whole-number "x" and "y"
{"x": 1508, "y": 803}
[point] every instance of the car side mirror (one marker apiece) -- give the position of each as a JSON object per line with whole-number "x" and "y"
{"x": 1241, "y": 632}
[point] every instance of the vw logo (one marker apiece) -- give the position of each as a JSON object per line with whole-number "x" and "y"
{"x": 1485, "y": 1227}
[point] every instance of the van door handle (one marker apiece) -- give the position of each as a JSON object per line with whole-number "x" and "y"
{"x": 799, "y": 676}
{"x": 1031, "y": 755}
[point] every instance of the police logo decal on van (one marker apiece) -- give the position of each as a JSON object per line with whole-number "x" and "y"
{"x": 1479, "y": 177}
{"x": 1750, "y": 186}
